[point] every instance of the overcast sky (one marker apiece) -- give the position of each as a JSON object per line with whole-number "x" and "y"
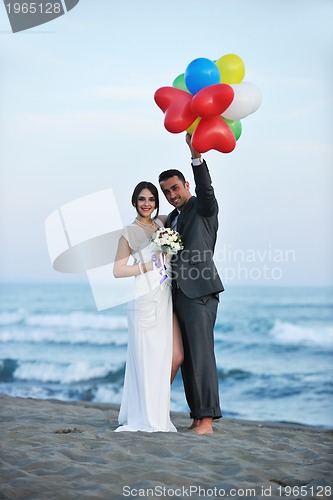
{"x": 78, "y": 116}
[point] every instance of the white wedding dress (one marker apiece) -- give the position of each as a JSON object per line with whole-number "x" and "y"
{"x": 145, "y": 402}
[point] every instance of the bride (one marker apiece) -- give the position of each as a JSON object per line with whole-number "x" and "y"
{"x": 154, "y": 351}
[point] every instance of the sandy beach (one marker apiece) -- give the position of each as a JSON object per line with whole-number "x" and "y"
{"x": 68, "y": 450}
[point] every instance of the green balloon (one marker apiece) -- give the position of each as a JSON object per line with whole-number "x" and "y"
{"x": 235, "y": 126}
{"x": 179, "y": 83}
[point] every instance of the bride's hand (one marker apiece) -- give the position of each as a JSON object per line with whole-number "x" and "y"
{"x": 156, "y": 260}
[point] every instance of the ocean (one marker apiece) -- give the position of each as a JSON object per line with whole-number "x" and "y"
{"x": 274, "y": 350}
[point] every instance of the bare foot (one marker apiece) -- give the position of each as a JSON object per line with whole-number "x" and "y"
{"x": 195, "y": 424}
{"x": 205, "y": 426}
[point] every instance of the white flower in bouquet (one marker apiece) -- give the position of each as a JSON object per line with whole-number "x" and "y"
{"x": 168, "y": 240}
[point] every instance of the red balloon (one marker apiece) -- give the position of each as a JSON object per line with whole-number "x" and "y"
{"x": 213, "y": 133}
{"x": 176, "y": 105}
{"x": 212, "y": 100}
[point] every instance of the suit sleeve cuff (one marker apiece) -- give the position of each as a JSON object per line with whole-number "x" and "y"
{"x": 197, "y": 161}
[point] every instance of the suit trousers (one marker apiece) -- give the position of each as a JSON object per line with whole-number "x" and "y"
{"x": 196, "y": 320}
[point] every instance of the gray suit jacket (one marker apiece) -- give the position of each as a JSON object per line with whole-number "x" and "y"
{"x": 193, "y": 269}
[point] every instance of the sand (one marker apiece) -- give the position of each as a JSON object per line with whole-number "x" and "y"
{"x": 68, "y": 450}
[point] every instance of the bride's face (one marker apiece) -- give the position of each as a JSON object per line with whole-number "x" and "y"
{"x": 146, "y": 203}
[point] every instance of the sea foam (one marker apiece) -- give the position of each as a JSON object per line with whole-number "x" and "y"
{"x": 75, "y": 320}
{"x": 291, "y": 333}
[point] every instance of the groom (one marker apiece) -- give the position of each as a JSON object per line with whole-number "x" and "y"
{"x": 196, "y": 286}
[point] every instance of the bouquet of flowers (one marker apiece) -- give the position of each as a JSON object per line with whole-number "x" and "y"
{"x": 167, "y": 241}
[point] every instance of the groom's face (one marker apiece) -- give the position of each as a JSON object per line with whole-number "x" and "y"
{"x": 176, "y": 192}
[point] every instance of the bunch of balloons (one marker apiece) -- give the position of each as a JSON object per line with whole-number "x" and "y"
{"x": 208, "y": 101}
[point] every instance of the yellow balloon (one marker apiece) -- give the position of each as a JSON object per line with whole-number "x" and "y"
{"x": 194, "y": 125}
{"x": 231, "y": 67}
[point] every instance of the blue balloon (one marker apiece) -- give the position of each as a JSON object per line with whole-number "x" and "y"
{"x": 200, "y": 73}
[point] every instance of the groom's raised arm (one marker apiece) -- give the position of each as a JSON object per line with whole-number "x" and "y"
{"x": 207, "y": 202}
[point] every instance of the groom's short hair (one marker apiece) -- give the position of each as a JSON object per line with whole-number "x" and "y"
{"x": 171, "y": 173}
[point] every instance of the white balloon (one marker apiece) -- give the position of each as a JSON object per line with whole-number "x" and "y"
{"x": 247, "y": 100}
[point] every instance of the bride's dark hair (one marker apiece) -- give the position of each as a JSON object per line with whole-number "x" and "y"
{"x": 153, "y": 189}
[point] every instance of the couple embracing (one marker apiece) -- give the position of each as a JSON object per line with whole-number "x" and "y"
{"x": 171, "y": 322}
